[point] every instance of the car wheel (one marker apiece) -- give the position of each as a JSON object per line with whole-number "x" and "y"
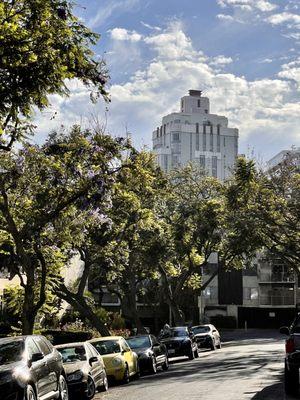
{"x": 104, "y": 386}
{"x": 30, "y": 393}
{"x": 196, "y": 353}
{"x": 291, "y": 380}
{"x": 91, "y": 388}
{"x": 219, "y": 345}
{"x": 213, "y": 345}
{"x": 165, "y": 365}
{"x": 126, "y": 377}
{"x": 191, "y": 354}
{"x": 153, "y": 367}
{"x": 63, "y": 388}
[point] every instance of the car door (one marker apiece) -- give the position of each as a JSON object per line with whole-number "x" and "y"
{"x": 39, "y": 368}
{"x": 51, "y": 358}
{"x": 97, "y": 367}
{"x": 128, "y": 355}
{"x": 157, "y": 349}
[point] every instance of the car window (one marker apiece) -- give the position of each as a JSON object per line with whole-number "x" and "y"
{"x": 73, "y": 354}
{"x": 31, "y": 347}
{"x": 93, "y": 351}
{"x": 11, "y": 351}
{"x": 200, "y": 329}
{"x": 107, "y": 346}
{"x": 176, "y": 333}
{"x": 139, "y": 342}
{"x": 124, "y": 345}
{"x": 44, "y": 348}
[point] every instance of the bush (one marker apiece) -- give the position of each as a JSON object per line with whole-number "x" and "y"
{"x": 224, "y": 321}
{"x": 63, "y": 337}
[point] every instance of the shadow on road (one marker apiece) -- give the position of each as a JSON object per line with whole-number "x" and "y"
{"x": 273, "y": 392}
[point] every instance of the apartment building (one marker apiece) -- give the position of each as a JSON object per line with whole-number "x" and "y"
{"x": 195, "y": 135}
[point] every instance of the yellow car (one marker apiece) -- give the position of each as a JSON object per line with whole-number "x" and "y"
{"x": 120, "y": 361}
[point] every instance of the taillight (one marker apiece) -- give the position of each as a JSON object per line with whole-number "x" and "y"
{"x": 290, "y": 345}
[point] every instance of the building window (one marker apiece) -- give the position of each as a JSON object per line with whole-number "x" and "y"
{"x": 197, "y": 141}
{"x": 250, "y": 293}
{"x": 224, "y": 141}
{"x": 206, "y": 111}
{"x": 157, "y": 132}
{"x": 176, "y": 121}
{"x": 204, "y": 141}
{"x": 182, "y": 105}
{"x": 176, "y": 137}
{"x": 218, "y": 139}
{"x": 199, "y": 103}
{"x": 214, "y": 166}
{"x": 161, "y": 131}
{"x": 197, "y": 127}
{"x": 164, "y": 129}
{"x": 202, "y": 162}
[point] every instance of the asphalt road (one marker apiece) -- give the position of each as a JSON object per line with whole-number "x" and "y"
{"x": 248, "y": 368}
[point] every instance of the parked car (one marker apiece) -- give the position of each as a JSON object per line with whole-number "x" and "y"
{"x": 180, "y": 341}
{"x": 151, "y": 353}
{"x": 120, "y": 361}
{"x": 84, "y": 367}
{"x": 207, "y": 336}
{"x": 292, "y": 356}
{"x": 31, "y": 368}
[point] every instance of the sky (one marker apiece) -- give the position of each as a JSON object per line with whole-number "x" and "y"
{"x": 243, "y": 54}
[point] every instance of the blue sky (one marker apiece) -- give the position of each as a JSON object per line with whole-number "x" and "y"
{"x": 244, "y": 55}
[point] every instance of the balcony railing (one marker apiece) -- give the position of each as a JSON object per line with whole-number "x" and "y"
{"x": 270, "y": 300}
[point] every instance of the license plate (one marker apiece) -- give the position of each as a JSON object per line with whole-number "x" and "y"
{"x": 171, "y": 351}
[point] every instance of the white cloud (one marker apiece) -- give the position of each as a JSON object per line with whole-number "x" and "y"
{"x": 112, "y": 7}
{"x": 281, "y": 18}
{"x": 123, "y": 35}
{"x": 225, "y": 17}
{"x": 221, "y": 60}
{"x": 249, "y": 5}
{"x": 264, "y": 108}
{"x": 266, "y": 61}
{"x": 291, "y": 71}
{"x": 154, "y": 28}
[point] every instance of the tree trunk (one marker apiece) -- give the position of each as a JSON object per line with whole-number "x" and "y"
{"x": 129, "y": 307}
{"x": 84, "y": 309}
{"x": 28, "y": 309}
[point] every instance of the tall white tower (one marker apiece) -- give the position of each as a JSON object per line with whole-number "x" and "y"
{"x": 195, "y": 135}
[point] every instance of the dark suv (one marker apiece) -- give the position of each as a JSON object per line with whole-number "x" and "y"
{"x": 292, "y": 358}
{"x": 180, "y": 341}
{"x": 31, "y": 368}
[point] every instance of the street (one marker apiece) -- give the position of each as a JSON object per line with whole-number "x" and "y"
{"x": 248, "y": 367}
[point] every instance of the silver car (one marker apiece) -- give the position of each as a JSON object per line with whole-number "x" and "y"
{"x": 207, "y": 336}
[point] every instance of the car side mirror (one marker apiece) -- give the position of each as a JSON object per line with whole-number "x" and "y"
{"x": 284, "y": 330}
{"x": 36, "y": 357}
{"x": 214, "y": 331}
{"x": 93, "y": 360}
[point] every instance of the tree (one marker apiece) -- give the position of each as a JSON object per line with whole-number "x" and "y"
{"x": 42, "y": 189}
{"x": 42, "y": 45}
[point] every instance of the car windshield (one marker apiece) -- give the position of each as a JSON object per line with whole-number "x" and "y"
{"x": 11, "y": 352}
{"x": 175, "y": 333}
{"x": 107, "y": 346}
{"x": 200, "y": 329}
{"x": 139, "y": 342}
{"x": 72, "y": 354}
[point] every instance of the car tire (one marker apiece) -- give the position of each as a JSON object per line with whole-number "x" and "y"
{"x": 153, "y": 366}
{"x": 219, "y": 345}
{"x": 91, "y": 388}
{"x": 196, "y": 353}
{"x": 126, "y": 377}
{"x": 165, "y": 365}
{"x": 191, "y": 354}
{"x": 104, "y": 386}
{"x": 291, "y": 380}
{"x": 30, "y": 393}
{"x": 213, "y": 346}
{"x": 63, "y": 388}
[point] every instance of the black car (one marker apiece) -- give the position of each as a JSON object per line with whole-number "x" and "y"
{"x": 84, "y": 369}
{"x": 180, "y": 341}
{"x": 31, "y": 368}
{"x": 151, "y": 353}
{"x": 207, "y": 336}
{"x": 292, "y": 357}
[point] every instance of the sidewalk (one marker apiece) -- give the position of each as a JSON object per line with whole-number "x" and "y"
{"x": 250, "y": 334}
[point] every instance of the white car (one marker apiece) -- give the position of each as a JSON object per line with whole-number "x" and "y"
{"x": 207, "y": 336}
